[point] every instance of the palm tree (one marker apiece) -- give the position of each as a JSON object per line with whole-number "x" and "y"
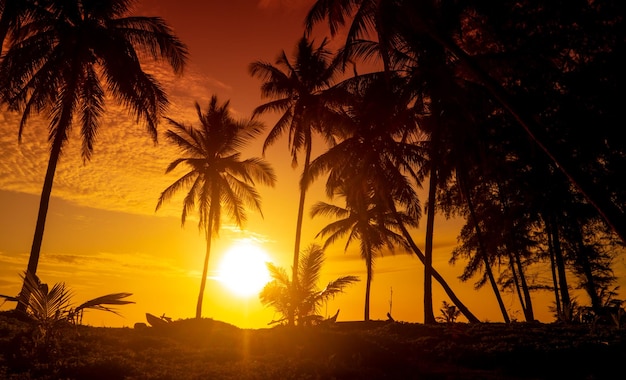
{"x": 61, "y": 62}
{"x": 218, "y": 178}
{"x": 366, "y": 221}
{"x": 300, "y": 90}
{"x": 381, "y": 144}
{"x": 285, "y": 295}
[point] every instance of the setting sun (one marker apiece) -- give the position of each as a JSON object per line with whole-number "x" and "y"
{"x": 243, "y": 270}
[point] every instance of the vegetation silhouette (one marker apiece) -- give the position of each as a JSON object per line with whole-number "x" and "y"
{"x": 363, "y": 223}
{"x": 63, "y": 59}
{"x": 302, "y": 296}
{"x": 469, "y": 108}
{"x": 300, "y": 89}
{"x": 407, "y": 24}
{"x": 457, "y": 82}
{"x": 218, "y": 178}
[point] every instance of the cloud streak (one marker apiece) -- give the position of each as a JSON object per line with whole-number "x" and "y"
{"x": 126, "y": 172}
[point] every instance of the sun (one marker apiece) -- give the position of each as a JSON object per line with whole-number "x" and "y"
{"x": 243, "y": 270}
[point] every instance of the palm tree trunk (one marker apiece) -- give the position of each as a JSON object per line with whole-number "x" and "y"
{"x": 296, "y": 250}
{"x": 429, "y": 315}
{"x": 368, "y": 286}
{"x": 560, "y": 267}
{"x": 557, "y": 298}
{"x": 583, "y": 262}
{"x": 528, "y": 311}
{"x": 44, "y": 201}
{"x": 453, "y": 298}
{"x": 516, "y": 283}
{"x": 205, "y": 268}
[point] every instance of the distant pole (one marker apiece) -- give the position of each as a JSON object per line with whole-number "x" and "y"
{"x": 390, "y": 298}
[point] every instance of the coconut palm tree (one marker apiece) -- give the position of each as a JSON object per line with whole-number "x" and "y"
{"x": 218, "y": 178}
{"x": 285, "y": 295}
{"x": 383, "y": 145}
{"x": 365, "y": 221}
{"x": 299, "y": 89}
{"x": 63, "y": 62}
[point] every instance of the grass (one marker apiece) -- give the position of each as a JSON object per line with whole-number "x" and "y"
{"x": 209, "y": 349}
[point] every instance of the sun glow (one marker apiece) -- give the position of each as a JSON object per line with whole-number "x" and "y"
{"x": 243, "y": 270}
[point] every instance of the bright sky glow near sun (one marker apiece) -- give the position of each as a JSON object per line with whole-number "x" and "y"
{"x": 243, "y": 269}
{"x": 103, "y": 234}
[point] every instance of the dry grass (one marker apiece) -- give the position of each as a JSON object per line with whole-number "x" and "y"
{"x": 208, "y": 349}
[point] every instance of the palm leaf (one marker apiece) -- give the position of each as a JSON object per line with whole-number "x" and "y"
{"x": 109, "y": 299}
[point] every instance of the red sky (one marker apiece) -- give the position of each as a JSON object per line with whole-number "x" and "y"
{"x": 103, "y": 235}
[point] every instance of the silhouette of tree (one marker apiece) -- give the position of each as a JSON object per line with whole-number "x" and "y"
{"x": 285, "y": 295}
{"x": 363, "y": 220}
{"x": 63, "y": 62}
{"x": 218, "y": 178}
{"x": 299, "y": 89}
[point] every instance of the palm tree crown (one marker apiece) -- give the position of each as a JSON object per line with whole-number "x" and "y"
{"x": 60, "y": 61}
{"x": 283, "y": 294}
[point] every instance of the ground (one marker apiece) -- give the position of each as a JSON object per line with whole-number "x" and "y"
{"x": 209, "y": 349}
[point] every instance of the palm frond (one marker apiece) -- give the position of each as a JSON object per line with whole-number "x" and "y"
{"x": 100, "y": 303}
{"x": 310, "y": 263}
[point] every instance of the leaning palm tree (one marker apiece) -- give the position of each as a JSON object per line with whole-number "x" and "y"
{"x": 300, "y": 90}
{"x": 218, "y": 178}
{"x": 285, "y": 295}
{"x": 63, "y": 62}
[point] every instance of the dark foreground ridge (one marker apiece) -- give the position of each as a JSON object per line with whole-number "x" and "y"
{"x": 209, "y": 349}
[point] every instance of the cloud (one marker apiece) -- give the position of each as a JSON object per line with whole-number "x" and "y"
{"x": 127, "y": 169}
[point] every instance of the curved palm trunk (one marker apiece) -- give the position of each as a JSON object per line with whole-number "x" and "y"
{"x": 611, "y": 214}
{"x": 453, "y": 298}
{"x": 205, "y": 268}
{"x": 60, "y": 136}
{"x": 429, "y": 315}
{"x": 44, "y": 202}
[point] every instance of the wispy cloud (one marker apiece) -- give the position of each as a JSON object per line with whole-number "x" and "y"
{"x": 126, "y": 172}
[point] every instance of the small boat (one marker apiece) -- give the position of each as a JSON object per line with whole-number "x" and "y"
{"x": 155, "y": 321}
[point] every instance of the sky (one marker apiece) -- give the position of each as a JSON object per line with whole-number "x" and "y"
{"x": 104, "y": 236}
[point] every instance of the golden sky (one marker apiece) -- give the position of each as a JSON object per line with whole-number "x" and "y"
{"x": 103, "y": 234}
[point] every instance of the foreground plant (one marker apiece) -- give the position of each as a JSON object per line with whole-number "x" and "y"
{"x": 303, "y": 295}
{"x": 50, "y": 309}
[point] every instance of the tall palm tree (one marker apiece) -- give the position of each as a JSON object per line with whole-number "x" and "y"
{"x": 62, "y": 63}
{"x": 299, "y": 89}
{"x": 381, "y": 144}
{"x": 282, "y": 293}
{"x": 365, "y": 221}
{"x": 218, "y": 178}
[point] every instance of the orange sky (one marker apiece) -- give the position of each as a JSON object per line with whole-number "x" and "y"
{"x": 103, "y": 235}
